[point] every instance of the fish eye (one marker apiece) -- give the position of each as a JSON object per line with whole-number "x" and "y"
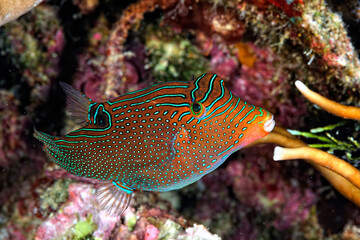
{"x": 101, "y": 119}
{"x": 197, "y": 109}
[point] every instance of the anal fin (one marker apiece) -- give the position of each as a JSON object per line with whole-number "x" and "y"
{"x": 114, "y": 197}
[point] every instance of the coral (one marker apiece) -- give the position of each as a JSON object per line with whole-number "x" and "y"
{"x": 83, "y": 229}
{"x": 172, "y": 57}
{"x": 169, "y": 229}
{"x": 12, "y": 130}
{"x": 351, "y": 232}
{"x": 259, "y": 47}
{"x": 77, "y": 219}
{"x": 35, "y": 50}
{"x": 222, "y": 61}
{"x": 343, "y": 176}
{"x": 327, "y": 138}
{"x": 336, "y": 49}
{"x": 114, "y": 62}
{"x": 151, "y": 232}
{"x": 197, "y": 232}
{"x": 305, "y": 42}
{"x": 90, "y": 76}
{"x": 235, "y": 201}
{"x": 251, "y": 189}
{"x": 39, "y": 45}
{"x": 54, "y": 195}
{"x": 257, "y": 186}
{"x": 254, "y": 84}
{"x": 77, "y": 214}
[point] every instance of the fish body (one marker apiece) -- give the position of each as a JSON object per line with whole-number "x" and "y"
{"x": 161, "y": 138}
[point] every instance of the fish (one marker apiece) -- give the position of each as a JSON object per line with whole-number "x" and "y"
{"x": 160, "y": 138}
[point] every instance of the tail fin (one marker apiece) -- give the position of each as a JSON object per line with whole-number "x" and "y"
{"x": 43, "y": 137}
{"x": 52, "y": 149}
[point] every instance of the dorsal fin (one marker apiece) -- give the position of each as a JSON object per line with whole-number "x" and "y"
{"x": 114, "y": 197}
{"x": 77, "y": 104}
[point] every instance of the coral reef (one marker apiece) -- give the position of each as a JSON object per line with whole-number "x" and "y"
{"x": 172, "y": 56}
{"x": 248, "y": 185}
{"x": 107, "y": 48}
{"x": 77, "y": 219}
{"x": 13, "y": 127}
{"x": 343, "y": 176}
{"x": 304, "y": 40}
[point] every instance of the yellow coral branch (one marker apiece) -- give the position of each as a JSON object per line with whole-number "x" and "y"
{"x": 321, "y": 158}
{"x": 342, "y": 175}
{"x": 12, "y": 9}
{"x": 348, "y": 188}
{"x": 332, "y": 107}
{"x": 279, "y": 139}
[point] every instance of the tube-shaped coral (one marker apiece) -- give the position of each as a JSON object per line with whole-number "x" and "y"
{"x": 321, "y": 158}
{"x": 347, "y": 188}
{"x": 12, "y": 9}
{"x": 342, "y": 175}
{"x": 332, "y": 107}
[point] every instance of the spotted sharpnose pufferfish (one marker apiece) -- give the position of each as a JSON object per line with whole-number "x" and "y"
{"x": 161, "y": 138}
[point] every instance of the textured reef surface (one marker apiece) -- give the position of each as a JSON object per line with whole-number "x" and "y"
{"x": 107, "y": 48}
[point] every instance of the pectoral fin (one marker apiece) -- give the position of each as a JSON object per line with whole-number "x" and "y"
{"x": 114, "y": 197}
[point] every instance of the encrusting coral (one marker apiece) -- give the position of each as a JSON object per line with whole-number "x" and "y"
{"x": 340, "y": 110}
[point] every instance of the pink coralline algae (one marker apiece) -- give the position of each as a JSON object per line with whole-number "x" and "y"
{"x": 292, "y": 8}
{"x": 266, "y": 85}
{"x": 151, "y": 232}
{"x": 258, "y": 187}
{"x": 262, "y": 80}
{"x": 13, "y": 128}
{"x": 77, "y": 213}
{"x": 80, "y": 217}
{"x": 222, "y": 63}
{"x": 267, "y": 191}
{"x": 90, "y": 79}
{"x": 90, "y": 75}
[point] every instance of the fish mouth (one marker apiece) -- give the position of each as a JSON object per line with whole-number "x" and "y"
{"x": 269, "y": 124}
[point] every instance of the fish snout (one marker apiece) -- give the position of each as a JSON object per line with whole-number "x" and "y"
{"x": 269, "y": 124}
